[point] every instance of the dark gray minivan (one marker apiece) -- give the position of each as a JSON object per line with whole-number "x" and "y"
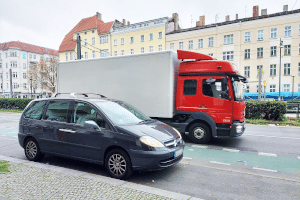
{"x": 98, "y": 130}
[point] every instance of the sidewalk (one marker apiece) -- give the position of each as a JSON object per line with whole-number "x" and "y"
{"x": 33, "y": 180}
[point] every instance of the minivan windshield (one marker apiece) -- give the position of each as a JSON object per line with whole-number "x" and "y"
{"x": 121, "y": 113}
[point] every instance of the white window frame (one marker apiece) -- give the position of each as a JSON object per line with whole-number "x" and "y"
{"x": 86, "y": 55}
{"x": 159, "y": 35}
{"x": 191, "y": 45}
{"x": 115, "y": 53}
{"x": 181, "y": 45}
{"x": 247, "y": 54}
{"x": 200, "y": 43}
{"x": 260, "y": 52}
{"x": 122, "y": 41}
{"x": 160, "y": 47}
{"x": 228, "y": 39}
{"x": 131, "y": 51}
{"x": 211, "y": 42}
{"x": 142, "y": 38}
{"x": 247, "y": 71}
{"x": 93, "y": 40}
{"x": 85, "y": 42}
{"x": 272, "y": 88}
{"x": 286, "y": 87}
{"x": 103, "y": 39}
{"x": 131, "y": 40}
{"x": 151, "y": 36}
{"x": 115, "y": 42}
{"x": 273, "y": 33}
{"x": 67, "y": 57}
{"x": 273, "y": 51}
{"x": 172, "y": 46}
{"x": 247, "y": 36}
{"x": 104, "y": 53}
{"x": 260, "y": 35}
{"x": 94, "y": 54}
{"x": 150, "y": 48}
{"x": 288, "y": 31}
{"x": 273, "y": 70}
{"x": 142, "y": 50}
{"x": 228, "y": 55}
{"x": 122, "y": 52}
{"x": 71, "y": 56}
{"x": 287, "y": 50}
{"x": 287, "y": 69}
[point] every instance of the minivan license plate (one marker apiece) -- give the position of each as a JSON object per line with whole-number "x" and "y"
{"x": 178, "y": 153}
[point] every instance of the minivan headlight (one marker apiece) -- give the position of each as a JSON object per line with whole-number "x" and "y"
{"x": 178, "y": 133}
{"x": 150, "y": 141}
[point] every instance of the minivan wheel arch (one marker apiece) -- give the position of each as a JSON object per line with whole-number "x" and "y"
{"x": 111, "y": 148}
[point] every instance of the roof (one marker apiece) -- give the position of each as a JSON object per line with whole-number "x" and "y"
{"x": 235, "y": 21}
{"x": 85, "y": 24}
{"x": 28, "y": 47}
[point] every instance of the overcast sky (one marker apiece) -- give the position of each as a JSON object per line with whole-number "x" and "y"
{"x": 45, "y": 23}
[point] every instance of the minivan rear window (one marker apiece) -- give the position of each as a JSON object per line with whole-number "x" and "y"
{"x": 35, "y": 110}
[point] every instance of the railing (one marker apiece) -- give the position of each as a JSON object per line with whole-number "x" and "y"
{"x": 293, "y": 108}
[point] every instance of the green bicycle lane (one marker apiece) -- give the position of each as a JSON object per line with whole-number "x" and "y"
{"x": 283, "y": 164}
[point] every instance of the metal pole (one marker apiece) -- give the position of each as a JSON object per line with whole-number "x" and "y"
{"x": 31, "y": 88}
{"x": 264, "y": 92}
{"x": 259, "y": 83}
{"x": 279, "y": 98}
{"x": 293, "y": 93}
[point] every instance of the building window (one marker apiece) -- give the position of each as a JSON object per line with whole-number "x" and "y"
{"x": 93, "y": 40}
{"x": 287, "y": 31}
{"x": 160, "y": 47}
{"x": 259, "y": 67}
{"x": 67, "y": 57}
{"x": 260, "y": 52}
{"x": 13, "y": 54}
{"x": 131, "y": 40}
{"x": 272, "y": 70}
{"x": 273, "y": 51}
{"x": 24, "y": 75}
{"x": 287, "y": 50}
{"x": 287, "y": 69}
{"x": 228, "y": 39}
{"x": 122, "y": 52}
{"x": 228, "y": 55}
{"x": 260, "y": 88}
{"x": 13, "y": 64}
{"x": 298, "y": 87}
{"x": 273, "y": 33}
{"x": 151, "y": 36}
{"x": 115, "y": 53}
{"x": 298, "y": 68}
{"x": 15, "y": 75}
{"x": 142, "y": 38}
{"x": 211, "y": 42}
{"x": 247, "y": 36}
{"x": 142, "y": 50}
{"x": 0, "y": 65}
{"x": 104, "y": 39}
{"x": 93, "y": 54}
{"x": 247, "y": 53}
{"x": 299, "y": 49}
{"x": 247, "y": 71}
{"x": 71, "y": 56}
{"x": 151, "y": 49}
{"x": 200, "y": 43}
{"x": 131, "y": 51}
{"x": 85, "y": 42}
{"x": 122, "y": 40}
{"x": 104, "y": 53}
{"x": 273, "y": 88}
{"x": 24, "y": 85}
{"x": 172, "y": 46}
{"x": 191, "y": 44}
{"x": 115, "y": 42}
{"x": 86, "y": 55}
{"x": 260, "y": 35}
{"x": 286, "y": 87}
{"x": 211, "y": 54}
{"x": 247, "y": 89}
{"x": 159, "y": 35}
{"x": 181, "y": 45}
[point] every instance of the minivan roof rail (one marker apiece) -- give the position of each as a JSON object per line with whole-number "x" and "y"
{"x": 74, "y": 95}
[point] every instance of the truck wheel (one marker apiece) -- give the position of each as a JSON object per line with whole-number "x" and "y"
{"x": 118, "y": 164}
{"x": 200, "y": 133}
{"x": 32, "y": 150}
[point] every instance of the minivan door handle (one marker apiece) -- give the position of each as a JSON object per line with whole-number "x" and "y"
{"x": 67, "y": 130}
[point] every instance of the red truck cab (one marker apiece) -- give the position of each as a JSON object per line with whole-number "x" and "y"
{"x": 209, "y": 98}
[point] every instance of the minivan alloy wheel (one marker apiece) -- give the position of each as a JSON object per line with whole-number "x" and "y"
{"x": 31, "y": 149}
{"x": 117, "y": 164}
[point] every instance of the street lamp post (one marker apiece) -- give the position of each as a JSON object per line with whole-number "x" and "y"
{"x": 293, "y": 91}
{"x": 31, "y": 87}
{"x": 279, "y": 99}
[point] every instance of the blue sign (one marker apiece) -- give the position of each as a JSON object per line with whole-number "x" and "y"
{"x": 24, "y": 55}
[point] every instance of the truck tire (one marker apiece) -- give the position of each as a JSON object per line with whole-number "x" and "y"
{"x": 200, "y": 133}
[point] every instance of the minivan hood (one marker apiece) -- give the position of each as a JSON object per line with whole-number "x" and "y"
{"x": 158, "y": 130}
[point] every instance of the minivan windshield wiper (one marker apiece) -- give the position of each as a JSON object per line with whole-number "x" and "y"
{"x": 145, "y": 121}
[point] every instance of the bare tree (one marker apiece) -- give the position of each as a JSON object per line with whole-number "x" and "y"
{"x": 43, "y": 74}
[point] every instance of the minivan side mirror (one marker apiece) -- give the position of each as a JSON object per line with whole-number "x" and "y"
{"x": 91, "y": 124}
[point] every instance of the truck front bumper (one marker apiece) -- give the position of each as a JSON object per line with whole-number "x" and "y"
{"x": 237, "y": 128}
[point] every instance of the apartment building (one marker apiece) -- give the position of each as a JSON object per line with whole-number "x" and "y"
{"x": 250, "y": 43}
{"x": 100, "y": 39}
{"x": 16, "y": 58}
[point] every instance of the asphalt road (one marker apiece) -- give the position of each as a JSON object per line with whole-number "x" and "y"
{"x": 262, "y": 164}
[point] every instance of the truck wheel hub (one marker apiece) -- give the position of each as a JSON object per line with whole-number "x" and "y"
{"x": 199, "y": 133}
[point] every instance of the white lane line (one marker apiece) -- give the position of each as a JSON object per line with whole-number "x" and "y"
{"x": 187, "y": 158}
{"x": 271, "y": 136}
{"x": 7, "y": 139}
{"x": 268, "y": 170}
{"x": 215, "y": 162}
{"x": 267, "y": 154}
{"x": 200, "y": 146}
{"x": 15, "y": 136}
{"x": 231, "y": 150}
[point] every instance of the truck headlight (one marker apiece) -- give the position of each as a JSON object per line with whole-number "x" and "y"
{"x": 150, "y": 141}
{"x": 178, "y": 133}
{"x": 239, "y": 128}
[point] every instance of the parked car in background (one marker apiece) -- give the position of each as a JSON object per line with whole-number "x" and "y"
{"x": 101, "y": 130}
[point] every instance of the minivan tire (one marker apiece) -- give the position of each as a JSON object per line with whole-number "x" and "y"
{"x": 32, "y": 150}
{"x": 118, "y": 164}
{"x": 200, "y": 133}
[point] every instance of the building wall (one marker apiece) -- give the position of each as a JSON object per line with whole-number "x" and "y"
{"x": 239, "y": 45}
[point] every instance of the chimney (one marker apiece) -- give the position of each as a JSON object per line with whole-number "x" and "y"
{"x": 124, "y": 22}
{"x": 128, "y": 23}
{"x": 255, "y": 11}
{"x": 236, "y": 16}
{"x": 176, "y": 19}
{"x": 264, "y": 12}
{"x": 201, "y": 21}
{"x": 227, "y": 18}
{"x": 285, "y": 8}
{"x": 99, "y": 16}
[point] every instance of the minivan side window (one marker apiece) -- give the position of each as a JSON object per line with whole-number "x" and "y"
{"x": 212, "y": 89}
{"x": 57, "y": 111}
{"x": 190, "y": 87}
{"x": 35, "y": 110}
{"x": 84, "y": 112}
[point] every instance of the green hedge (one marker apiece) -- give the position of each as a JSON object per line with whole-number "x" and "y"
{"x": 270, "y": 110}
{"x": 11, "y": 103}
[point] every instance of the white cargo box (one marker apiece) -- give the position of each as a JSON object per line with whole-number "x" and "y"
{"x": 147, "y": 81}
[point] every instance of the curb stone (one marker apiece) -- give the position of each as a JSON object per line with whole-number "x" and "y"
{"x": 54, "y": 182}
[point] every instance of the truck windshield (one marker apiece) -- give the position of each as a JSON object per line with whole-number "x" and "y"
{"x": 121, "y": 113}
{"x": 238, "y": 90}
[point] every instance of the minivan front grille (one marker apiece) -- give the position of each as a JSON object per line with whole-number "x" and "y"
{"x": 172, "y": 143}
